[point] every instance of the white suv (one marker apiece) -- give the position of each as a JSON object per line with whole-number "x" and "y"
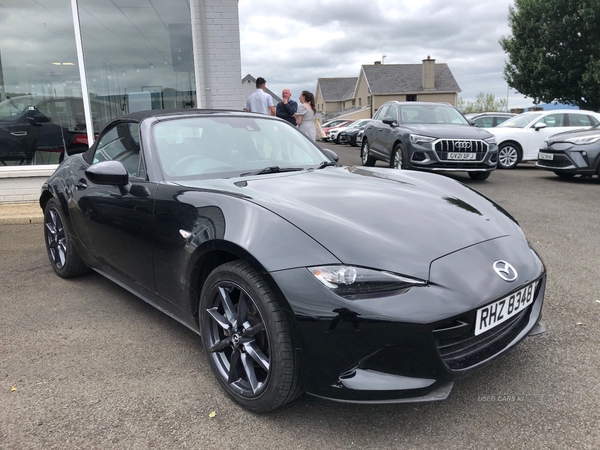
{"x": 520, "y": 137}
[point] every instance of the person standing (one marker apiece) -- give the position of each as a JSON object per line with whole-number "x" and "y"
{"x": 287, "y": 107}
{"x": 260, "y": 101}
{"x": 305, "y": 116}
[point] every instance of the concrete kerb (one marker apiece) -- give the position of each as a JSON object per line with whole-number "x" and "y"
{"x": 21, "y": 213}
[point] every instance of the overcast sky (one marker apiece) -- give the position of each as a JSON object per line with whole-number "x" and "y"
{"x": 292, "y": 43}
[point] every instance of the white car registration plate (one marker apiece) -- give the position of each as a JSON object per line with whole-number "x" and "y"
{"x": 462, "y": 156}
{"x": 548, "y": 156}
{"x": 491, "y": 315}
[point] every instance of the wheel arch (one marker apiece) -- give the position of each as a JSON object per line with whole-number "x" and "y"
{"x": 397, "y": 142}
{"x": 516, "y": 144}
{"x": 216, "y": 253}
{"x": 45, "y": 198}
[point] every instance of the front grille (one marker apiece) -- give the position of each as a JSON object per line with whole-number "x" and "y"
{"x": 558, "y": 161}
{"x": 445, "y": 146}
{"x": 460, "y": 348}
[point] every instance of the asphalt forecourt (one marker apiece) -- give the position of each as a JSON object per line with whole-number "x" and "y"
{"x": 85, "y": 364}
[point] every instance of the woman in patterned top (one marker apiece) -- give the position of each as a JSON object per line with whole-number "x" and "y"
{"x": 305, "y": 116}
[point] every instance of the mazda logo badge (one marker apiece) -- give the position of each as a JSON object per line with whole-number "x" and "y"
{"x": 505, "y": 270}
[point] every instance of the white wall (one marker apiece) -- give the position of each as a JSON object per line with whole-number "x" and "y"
{"x": 219, "y": 62}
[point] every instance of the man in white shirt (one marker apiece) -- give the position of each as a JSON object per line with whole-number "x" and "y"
{"x": 260, "y": 101}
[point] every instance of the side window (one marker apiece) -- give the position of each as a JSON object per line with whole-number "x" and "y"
{"x": 552, "y": 120}
{"x": 122, "y": 143}
{"x": 593, "y": 120}
{"x": 579, "y": 120}
{"x": 381, "y": 112}
{"x": 484, "y": 122}
{"x": 392, "y": 113}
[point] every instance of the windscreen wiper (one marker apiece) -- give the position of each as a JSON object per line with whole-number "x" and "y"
{"x": 272, "y": 169}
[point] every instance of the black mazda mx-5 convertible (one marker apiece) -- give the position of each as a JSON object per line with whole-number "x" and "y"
{"x": 356, "y": 284}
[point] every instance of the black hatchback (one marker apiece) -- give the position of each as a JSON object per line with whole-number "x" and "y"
{"x": 428, "y": 136}
{"x": 572, "y": 153}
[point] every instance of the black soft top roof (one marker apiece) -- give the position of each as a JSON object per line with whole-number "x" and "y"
{"x": 158, "y": 113}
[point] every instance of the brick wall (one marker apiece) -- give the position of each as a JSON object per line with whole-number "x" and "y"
{"x": 23, "y": 183}
{"x": 217, "y": 31}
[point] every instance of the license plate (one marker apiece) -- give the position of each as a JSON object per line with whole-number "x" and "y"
{"x": 461, "y": 156}
{"x": 491, "y": 315}
{"x": 548, "y": 156}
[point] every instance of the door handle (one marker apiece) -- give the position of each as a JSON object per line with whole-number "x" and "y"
{"x": 80, "y": 184}
{"x": 19, "y": 133}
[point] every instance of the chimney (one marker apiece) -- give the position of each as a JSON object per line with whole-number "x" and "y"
{"x": 377, "y": 63}
{"x": 428, "y": 73}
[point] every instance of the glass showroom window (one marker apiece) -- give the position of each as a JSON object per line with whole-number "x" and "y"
{"x": 137, "y": 54}
{"x": 40, "y": 89}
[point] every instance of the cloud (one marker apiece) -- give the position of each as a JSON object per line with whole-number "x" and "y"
{"x": 292, "y": 44}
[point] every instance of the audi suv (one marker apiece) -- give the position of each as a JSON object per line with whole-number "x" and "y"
{"x": 428, "y": 136}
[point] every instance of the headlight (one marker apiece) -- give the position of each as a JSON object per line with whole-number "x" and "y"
{"x": 491, "y": 140}
{"x": 584, "y": 139}
{"x": 350, "y": 281}
{"x": 417, "y": 138}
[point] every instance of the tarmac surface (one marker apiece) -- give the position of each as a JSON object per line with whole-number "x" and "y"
{"x": 20, "y": 213}
{"x": 86, "y": 364}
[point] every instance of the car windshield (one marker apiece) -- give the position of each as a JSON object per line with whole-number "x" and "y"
{"x": 220, "y": 146}
{"x": 432, "y": 114}
{"x": 519, "y": 121}
{"x": 16, "y": 105}
{"x": 360, "y": 123}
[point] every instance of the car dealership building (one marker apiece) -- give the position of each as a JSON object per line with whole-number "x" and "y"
{"x": 66, "y": 64}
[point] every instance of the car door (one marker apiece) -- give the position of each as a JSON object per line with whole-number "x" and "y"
{"x": 387, "y": 134}
{"x": 115, "y": 225}
{"x": 376, "y": 127}
{"x": 555, "y": 123}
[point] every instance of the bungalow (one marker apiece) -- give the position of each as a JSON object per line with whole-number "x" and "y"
{"x": 360, "y": 97}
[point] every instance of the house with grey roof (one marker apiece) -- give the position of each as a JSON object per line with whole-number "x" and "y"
{"x": 249, "y": 86}
{"x": 360, "y": 97}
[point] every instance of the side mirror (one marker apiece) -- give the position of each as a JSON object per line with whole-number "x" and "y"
{"x": 109, "y": 173}
{"x": 473, "y": 124}
{"x": 391, "y": 122}
{"x": 330, "y": 154}
{"x": 538, "y": 126}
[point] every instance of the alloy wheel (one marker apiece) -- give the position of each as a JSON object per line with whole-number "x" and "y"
{"x": 238, "y": 341}
{"x": 56, "y": 239}
{"x": 398, "y": 159}
{"x": 508, "y": 156}
{"x": 365, "y": 153}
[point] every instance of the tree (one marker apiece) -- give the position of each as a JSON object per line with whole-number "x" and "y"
{"x": 483, "y": 103}
{"x": 554, "y": 51}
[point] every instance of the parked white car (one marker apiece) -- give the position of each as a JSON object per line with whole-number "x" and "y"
{"x": 335, "y": 132}
{"x": 521, "y": 137}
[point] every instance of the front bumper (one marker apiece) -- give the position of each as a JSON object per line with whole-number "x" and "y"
{"x": 569, "y": 158}
{"x": 404, "y": 347}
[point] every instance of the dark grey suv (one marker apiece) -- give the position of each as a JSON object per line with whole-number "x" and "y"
{"x": 572, "y": 153}
{"x": 428, "y": 136}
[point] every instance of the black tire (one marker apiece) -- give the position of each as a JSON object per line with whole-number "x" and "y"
{"x": 63, "y": 256}
{"x": 564, "y": 174}
{"x": 509, "y": 155}
{"x": 398, "y": 159}
{"x": 241, "y": 321}
{"x": 479, "y": 175}
{"x": 367, "y": 159}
